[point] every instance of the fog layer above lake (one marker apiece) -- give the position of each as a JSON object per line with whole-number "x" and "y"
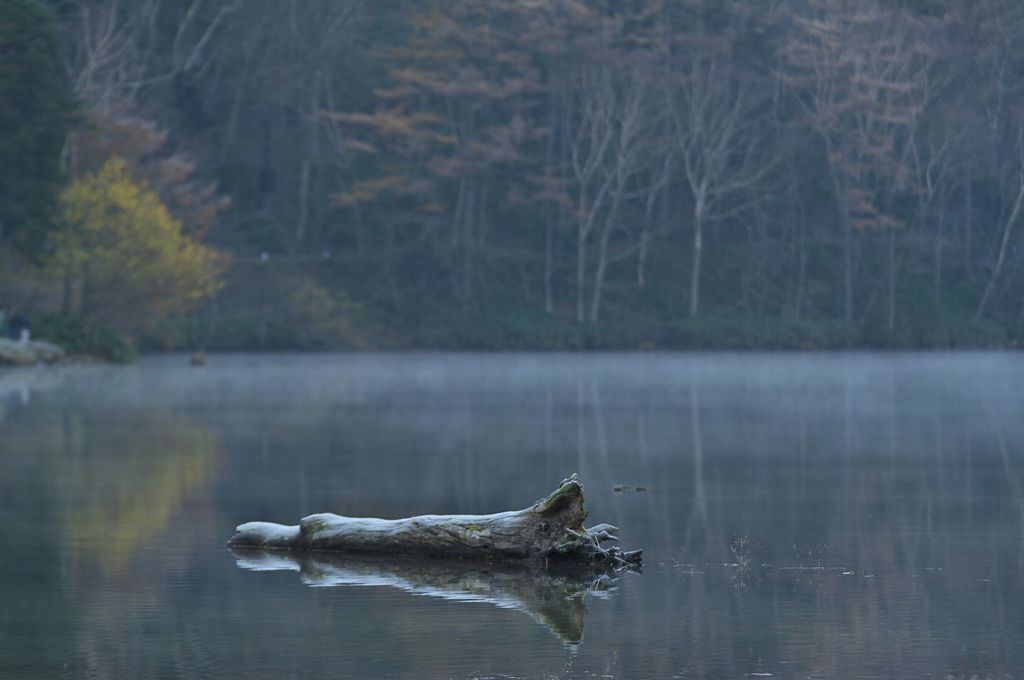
{"x": 824, "y": 515}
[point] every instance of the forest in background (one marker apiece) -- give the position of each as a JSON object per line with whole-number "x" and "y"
{"x": 515, "y": 174}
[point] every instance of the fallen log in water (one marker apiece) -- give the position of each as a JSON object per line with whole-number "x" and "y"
{"x": 551, "y": 528}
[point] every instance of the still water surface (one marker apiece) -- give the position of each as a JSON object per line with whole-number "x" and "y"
{"x": 822, "y": 516}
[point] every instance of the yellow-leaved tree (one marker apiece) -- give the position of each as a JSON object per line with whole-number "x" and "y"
{"x": 126, "y": 258}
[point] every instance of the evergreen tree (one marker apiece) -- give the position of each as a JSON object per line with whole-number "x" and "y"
{"x": 36, "y": 108}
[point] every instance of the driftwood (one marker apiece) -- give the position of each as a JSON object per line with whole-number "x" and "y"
{"x": 550, "y": 529}
{"x": 553, "y": 597}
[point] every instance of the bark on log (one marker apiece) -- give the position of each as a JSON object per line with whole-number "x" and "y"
{"x": 551, "y": 528}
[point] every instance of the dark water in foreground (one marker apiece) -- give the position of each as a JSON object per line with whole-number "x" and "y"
{"x": 823, "y": 516}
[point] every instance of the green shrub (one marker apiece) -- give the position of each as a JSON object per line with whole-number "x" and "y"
{"x": 78, "y": 336}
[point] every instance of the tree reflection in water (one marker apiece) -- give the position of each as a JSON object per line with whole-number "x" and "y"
{"x": 880, "y": 499}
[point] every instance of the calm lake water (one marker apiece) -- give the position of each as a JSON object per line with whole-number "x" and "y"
{"x": 805, "y": 516}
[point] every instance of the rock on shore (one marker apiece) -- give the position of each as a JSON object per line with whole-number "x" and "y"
{"x": 15, "y": 353}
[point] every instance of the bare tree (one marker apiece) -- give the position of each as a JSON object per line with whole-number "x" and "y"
{"x": 616, "y": 158}
{"x": 856, "y": 71}
{"x": 591, "y": 148}
{"x": 934, "y": 161}
{"x": 724, "y": 141}
{"x": 1007, "y": 231}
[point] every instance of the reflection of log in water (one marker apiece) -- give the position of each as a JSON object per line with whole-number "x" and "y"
{"x": 552, "y": 597}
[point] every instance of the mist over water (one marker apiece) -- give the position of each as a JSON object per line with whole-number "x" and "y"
{"x": 826, "y": 516}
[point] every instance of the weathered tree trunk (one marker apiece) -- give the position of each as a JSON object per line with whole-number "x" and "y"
{"x": 550, "y": 528}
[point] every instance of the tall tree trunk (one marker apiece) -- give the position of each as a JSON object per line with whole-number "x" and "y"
{"x": 698, "y": 256}
{"x": 641, "y": 260}
{"x": 468, "y": 228}
{"x": 645, "y": 236}
{"x": 549, "y": 268}
{"x": 230, "y": 133}
{"x": 303, "y": 217}
{"x": 306, "y": 169}
{"x": 602, "y": 258}
{"x": 847, "y": 267}
{"x": 846, "y": 229}
{"x": 581, "y": 259}
{"x": 549, "y": 238}
{"x": 801, "y": 277}
{"x": 937, "y": 263}
{"x": 891, "y": 316}
{"x": 563, "y": 211}
{"x": 462, "y": 207}
{"x": 389, "y": 268}
{"x": 581, "y": 271}
{"x": 1003, "y": 247}
{"x": 968, "y": 221}
{"x": 264, "y": 304}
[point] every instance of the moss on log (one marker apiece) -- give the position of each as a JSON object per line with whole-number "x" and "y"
{"x": 551, "y": 528}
